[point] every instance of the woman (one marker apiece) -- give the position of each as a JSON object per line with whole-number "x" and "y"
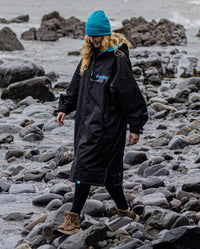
{"x": 106, "y": 98}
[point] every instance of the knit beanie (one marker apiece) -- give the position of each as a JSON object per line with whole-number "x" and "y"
{"x": 97, "y": 24}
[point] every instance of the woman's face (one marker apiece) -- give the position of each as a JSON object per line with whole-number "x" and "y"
{"x": 96, "y": 40}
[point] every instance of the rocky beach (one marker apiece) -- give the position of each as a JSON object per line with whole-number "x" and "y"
{"x": 161, "y": 172}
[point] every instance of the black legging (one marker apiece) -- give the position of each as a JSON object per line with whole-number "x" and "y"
{"x": 82, "y": 192}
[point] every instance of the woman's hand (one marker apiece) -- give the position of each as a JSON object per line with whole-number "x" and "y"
{"x": 60, "y": 118}
{"x": 133, "y": 138}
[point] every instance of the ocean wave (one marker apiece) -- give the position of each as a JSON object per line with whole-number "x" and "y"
{"x": 195, "y": 2}
{"x": 177, "y": 17}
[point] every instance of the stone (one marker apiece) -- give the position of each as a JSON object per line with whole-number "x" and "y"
{"x": 188, "y": 82}
{"x": 160, "y": 219}
{"x": 47, "y": 156}
{"x": 62, "y": 85}
{"x": 15, "y": 71}
{"x": 44, "y": 199}
{"x": 85, "y": 239}
{"x": 45, "y": 34}
{"x": 34, "y": 175}
{"x": 54, "y": 205}
{"x": 68, "y": 197}
{"x": 6, "y": 138}
{"x": 46, "y": 247}
{"x": 161, "y": 107}
{"x": 152, "y": 170}
{"x": 194, "y": 139}
{"x": 178, "y": 238}
{"x": 39, "y": 88}
{"x": 64, "y": 155}
{"x": 135, "y": 157}
{"x": 155, "y": 199}
{"x": 9, "y": 41}
{"x": 57, "y": 217}
{"x": 32, "y": 137}
{"x": 134, "y": 244}
{"x": 16, "y": 216}
{"x": 23, "y": 246}
{"x": 94, "y": 208}
{"x": 9, "y": 128}
{"x": 153, "y": 182}
{"x": 14, "y": 153}
{"x": 21, "y": 188}
{"x": 60, "y": 189}
{"x": 161, "y": 114}
{"x": 178, "y": 142}
{"x": 192, "y": 186}
{"x": 142, "y": 33}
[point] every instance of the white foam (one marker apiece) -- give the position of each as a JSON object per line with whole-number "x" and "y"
{"x": 179, "y": 18}
{"x": 195, "y": 2}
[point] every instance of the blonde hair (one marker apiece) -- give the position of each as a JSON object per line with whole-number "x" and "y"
{"x": 108, "y": 41}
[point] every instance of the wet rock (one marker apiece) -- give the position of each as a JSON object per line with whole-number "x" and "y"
{"x": 135, "y": 157}
{"x": 6, "y": 138}
{"x": 29, "y": 34}
{"x": 16, "y": 216}
{"x": 134, "y": 244}
{"x": 18, "y": 19}
{"x": 155, "y": 199}
{"x": 54, "y": 26}
{"x": 54, "y": 205}
{"x": 153, "y": 182}
{"x": 142, "y": 33}
{"x": 60, "y": 189}
{"x": 85, "y": 239}
{"x": 39, "y": 88}
{"x": 47, "y": 155}
{"x": 9, "y": 41}
{"x": 57, "y": 217}
{"x": 21, "y": 188}
{"x": 14, "y": 153}
{"x": 94, "y": 208}
{"x": 178, "y": 238}
{"x": 160, "y": 219}
{"x": 31, "y": 129}
{"x": 15, "y": 71}
{"x": 68, "y": 197}
{"x": 46, "y": 247}
{"x": 4, "y": 185}
{"x": 197, "y": 159}
{"x": 44, "y": 199}
{"x": 62, "y": 85}
{"x": 32, "y": 137}
{"x": 74, "y": 53}
{"x": 160, "y": 107}
{"x": 193, "y": 81}
{"x": 194, "y": 139}
{"x": 9, "y": 128}
{"x": 161, "y": 114}
{"x": 192, "y": 205}
{"x": 34, "y": 175}
{"x": 23, "y": 246}
{"x": 64, "y": 155}
{"x": 178, "y": 142}
{"x": 45, "y": 34}
{"x": 153, "y": 170}
{"x": 192, "y": 186}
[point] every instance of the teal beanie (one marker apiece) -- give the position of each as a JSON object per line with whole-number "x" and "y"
{"x": 97, "y": 24}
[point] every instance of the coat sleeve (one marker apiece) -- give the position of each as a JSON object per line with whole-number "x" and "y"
{"x": 130, "y": 100}
{"x": 68, "y": 100}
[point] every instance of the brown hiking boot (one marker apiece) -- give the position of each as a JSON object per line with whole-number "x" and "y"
{"x": 71, "y": 224}
{"x": 129, "y": 213}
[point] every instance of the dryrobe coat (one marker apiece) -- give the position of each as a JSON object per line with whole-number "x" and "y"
{"x": 106, "y": 98}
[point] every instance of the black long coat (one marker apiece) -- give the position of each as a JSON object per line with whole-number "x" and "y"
{"x": 106, "y": 98}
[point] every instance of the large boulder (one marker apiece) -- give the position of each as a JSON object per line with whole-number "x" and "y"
{"x": 18, "y": 19}
{"x": 9, "y": 41}
{"x": 12, "y": 72}
{"x": 185, "y": 237}
{"x": 142, "y": 33}
{"x": 54, "y": 26}
{"x": 38, "y": 88}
